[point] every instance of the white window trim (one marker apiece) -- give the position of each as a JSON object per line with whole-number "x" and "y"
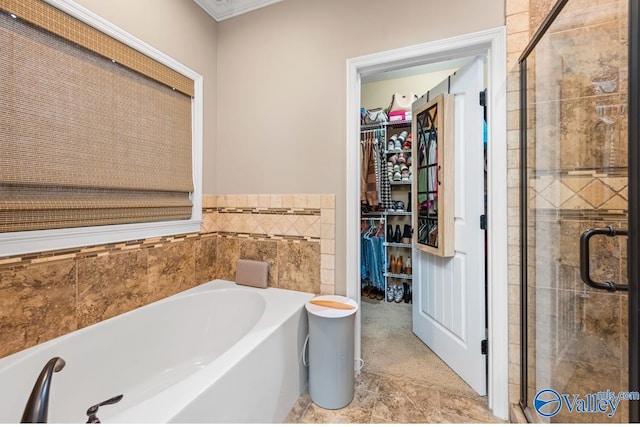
{"x": 23, "y": 242}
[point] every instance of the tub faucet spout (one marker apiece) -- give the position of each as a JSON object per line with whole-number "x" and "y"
{"x": 37, "y": 407}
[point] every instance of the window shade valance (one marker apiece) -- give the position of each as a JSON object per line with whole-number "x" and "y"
{"x": 84, "y": 140}
{"x": 54, "y": 21}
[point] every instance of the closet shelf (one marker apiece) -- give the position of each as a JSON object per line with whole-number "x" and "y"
{"x": 399, "y": 123}
{"x": 397, "y": 190}
{"x": 398, "y": 245}
{"x": 395, "y": 124}
{"x": 372, "y": 127}
{"x": 398, "y": 213}
{"x": 377, "y": 214}
{"x": 398, "y": 276}
{"x": 397, "y": 151}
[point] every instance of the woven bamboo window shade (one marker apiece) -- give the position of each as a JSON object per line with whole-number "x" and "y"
{"x": 92, "y": 132}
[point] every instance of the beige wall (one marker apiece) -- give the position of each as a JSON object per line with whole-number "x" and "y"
{"x": 282, "y": 88}
{"x": 183, "y": 31}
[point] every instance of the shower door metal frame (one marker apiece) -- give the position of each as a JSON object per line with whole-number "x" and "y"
{"x": 633, "y": 242}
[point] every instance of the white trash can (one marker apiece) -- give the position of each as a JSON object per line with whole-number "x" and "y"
{"x": 331, "y": 354}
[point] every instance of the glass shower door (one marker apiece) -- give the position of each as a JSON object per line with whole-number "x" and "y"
{"x": 576, "y": 194}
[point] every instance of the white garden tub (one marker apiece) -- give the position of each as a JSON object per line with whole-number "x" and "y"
{"x": 215, "y": 353}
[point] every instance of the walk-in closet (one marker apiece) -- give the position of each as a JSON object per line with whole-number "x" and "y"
{"x": 396, "y": 203}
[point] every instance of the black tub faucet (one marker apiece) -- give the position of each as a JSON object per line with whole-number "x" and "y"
{"x": 37, "y": 407}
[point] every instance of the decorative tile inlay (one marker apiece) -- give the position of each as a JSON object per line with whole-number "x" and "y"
{"x": 557, "y": 193}
{"x": 576, "y": 183}
{"x": 596, "y": 193}
{"x": 582, "y": 191}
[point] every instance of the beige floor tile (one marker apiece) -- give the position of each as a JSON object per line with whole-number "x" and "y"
{"x": 396, "y": 384}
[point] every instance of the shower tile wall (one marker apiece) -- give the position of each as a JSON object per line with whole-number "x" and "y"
{"x": 578, "y": 147}
{"x": 571, "y": 194}
{"x": 45, "y": 295}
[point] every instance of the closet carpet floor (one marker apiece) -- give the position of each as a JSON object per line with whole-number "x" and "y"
{"x": 402, "y": 380}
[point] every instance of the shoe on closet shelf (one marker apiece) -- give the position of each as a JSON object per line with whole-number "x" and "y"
{"x": 408, "y": 269}
{"x": 399, "y": 207}
{"x": 391, "y": 144}
{"x": 391, "y": 292}
{"x": 398, "y": 145}
{"x": 407, "y": 292}
{"x": 397, "y": 176}
{"x": 405, "y": 176}
{"x": 399, "y": 264}
{"x": 399, "y": 293}
{"x": 402, "y": 137}
{"x": 406, "y": 145}
{"x": 409, "y": 161}
{"x": 393, "y": 265}
{"x": 398, "y": 234}
{"x": 401, "y": 159}
{"x": 406, "y": 235}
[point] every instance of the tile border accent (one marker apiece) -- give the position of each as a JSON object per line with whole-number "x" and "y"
{"x": 95, "y": 251}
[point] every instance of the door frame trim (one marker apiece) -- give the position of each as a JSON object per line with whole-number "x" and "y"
{"x": 492, "y": 43}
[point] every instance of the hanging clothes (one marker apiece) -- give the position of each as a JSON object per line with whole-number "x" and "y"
{"x": 372, "y": 257}
{"x": 369, "y": 188}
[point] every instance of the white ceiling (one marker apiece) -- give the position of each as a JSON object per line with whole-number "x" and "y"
{"x": 224, "y": 9}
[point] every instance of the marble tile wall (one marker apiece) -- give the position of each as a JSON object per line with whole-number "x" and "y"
{"x": 45, "y": 295}
{"x": 294, "y": 233}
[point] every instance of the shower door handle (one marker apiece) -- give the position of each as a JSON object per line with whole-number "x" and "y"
{"x": 585, "y": 258}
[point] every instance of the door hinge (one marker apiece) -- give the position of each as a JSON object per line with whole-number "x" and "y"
{"x": 483, "y": 222}
{"x": 484, "y": 347}
{"x": 483, "y": 98}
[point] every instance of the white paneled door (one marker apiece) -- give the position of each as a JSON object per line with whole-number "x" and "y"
{"x": 449, "y": 293}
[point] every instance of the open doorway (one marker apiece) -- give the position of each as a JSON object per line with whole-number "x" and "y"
{"x": 491, "y": 44}
{"x": 397, "y": 336}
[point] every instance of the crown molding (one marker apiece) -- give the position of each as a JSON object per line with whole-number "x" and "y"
{"x": 225, "y": 9}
